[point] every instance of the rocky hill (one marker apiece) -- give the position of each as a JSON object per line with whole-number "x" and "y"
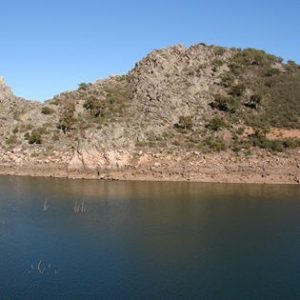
{"x": 173, "y": 108}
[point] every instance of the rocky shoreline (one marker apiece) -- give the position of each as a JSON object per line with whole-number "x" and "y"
{"x": 261, "y": 168}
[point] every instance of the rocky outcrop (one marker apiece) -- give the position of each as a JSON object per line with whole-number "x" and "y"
{"x": 173, "y": 82}
{"x": 5, "y": 91}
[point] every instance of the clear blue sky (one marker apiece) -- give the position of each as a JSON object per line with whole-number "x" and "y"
{"x": 50, "y": 46}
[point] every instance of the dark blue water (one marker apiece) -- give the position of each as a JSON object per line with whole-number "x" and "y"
{"x": 67, "y": 239}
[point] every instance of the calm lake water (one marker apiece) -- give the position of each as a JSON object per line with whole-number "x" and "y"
{"x": 79, "y": 239}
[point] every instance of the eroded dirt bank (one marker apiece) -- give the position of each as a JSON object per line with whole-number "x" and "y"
{"x": 283, "y": 168}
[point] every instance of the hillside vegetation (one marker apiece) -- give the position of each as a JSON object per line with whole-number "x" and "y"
{"x": 204, "y": 98}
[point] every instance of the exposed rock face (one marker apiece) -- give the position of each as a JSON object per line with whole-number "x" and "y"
{"x": 98, "y": 159}
{"x": 176, "y": 100}
{"x": 159, "y": 80}
{"x": 5, "y": 91}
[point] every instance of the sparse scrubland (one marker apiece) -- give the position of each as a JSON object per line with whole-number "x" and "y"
{"x": 183, "y": 105}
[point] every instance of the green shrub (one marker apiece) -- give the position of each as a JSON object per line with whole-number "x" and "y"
{"x": 254, "y": 57}
{"x": 12, "y": 140}
{"x": 55, "y": 137}
{"x": 219, "y": 50}
{"x": 83, "y": 86}
{"x": 111, "y": 102}
{"x": 46, "y": 110}
{"x": 291, "y": 143}
{"x": 254, "y": 101}
{"x": 34, "y": 137}
{"x": 216, "y": 124}
{"x": 227, "y": 80}
{"x": 272, "y": 72}
{"x": 217, "y": 63}
{"x": 95, "y": 106}
{"x": 67, "y": 120}
{"x": 239, "y": 145}
{"x": 214, "y": 144}
{"x": 225, "y": 103}
{"x": 240, "y": 130}
{"x": 237, "y": 90}
{"x": 235, "y": 68}
{"x": 259, "y": 139}
{"x": 185, "y": 122}
{"x": 291, "y": 66}
{"x": 55, "y": 100}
